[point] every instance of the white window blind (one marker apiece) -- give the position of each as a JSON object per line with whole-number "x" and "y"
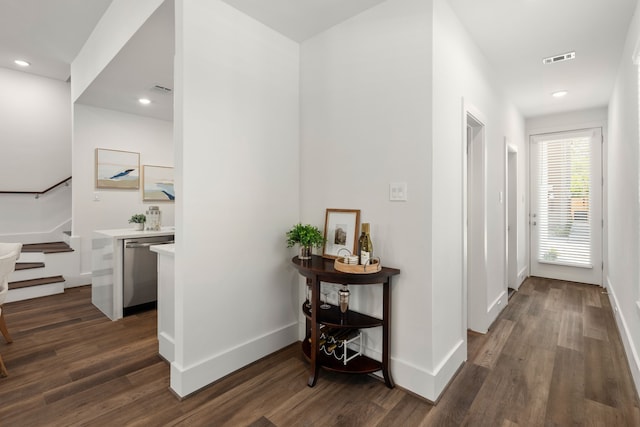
{"x": 564, "y": 201}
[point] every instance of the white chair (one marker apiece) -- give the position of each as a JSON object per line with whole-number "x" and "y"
{"x": 9, "y": 253}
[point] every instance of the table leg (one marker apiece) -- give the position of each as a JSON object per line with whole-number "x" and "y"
{"x": 386, "y": 327}
{"x": 315, "y": 307}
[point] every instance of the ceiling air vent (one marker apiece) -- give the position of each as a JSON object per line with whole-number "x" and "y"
{"x": 162, "y": 89}
{"x": 559, "y": 58}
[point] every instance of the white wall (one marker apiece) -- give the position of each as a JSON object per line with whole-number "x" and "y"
{"x": 237, "y": 165}
{"x": 373, "y": 113}
{"x": 101, "y": 128}
{"x": 623, "y": 249}
{"x": 461, "y": 72}
{"x": 366, "y": 122}
{"x": 35, "y": 136}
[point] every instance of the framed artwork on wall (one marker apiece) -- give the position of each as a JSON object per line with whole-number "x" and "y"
{"x": 341, "y": 232}
{"x": 157, "y": 184}
{"x": 117, "y": 169}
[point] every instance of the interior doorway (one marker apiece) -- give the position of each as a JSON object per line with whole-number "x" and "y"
{"x": 475, "y": 223}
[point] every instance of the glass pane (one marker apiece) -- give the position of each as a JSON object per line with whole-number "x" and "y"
{"x": 564, "y": 192}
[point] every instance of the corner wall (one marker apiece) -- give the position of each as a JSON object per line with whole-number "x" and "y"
{"x": 365, "y": 123}
{"x": 622, "y": 182}
{"x": 237, "y": 164}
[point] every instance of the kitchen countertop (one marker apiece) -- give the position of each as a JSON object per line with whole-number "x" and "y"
{"x": 127, "y": 233}
{"x": 168, "y": 249}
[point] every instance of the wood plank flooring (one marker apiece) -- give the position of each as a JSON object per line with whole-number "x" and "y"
{"x": 552, "y": 358}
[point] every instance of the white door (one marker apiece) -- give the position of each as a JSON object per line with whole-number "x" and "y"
{"x": 566, "y": 206}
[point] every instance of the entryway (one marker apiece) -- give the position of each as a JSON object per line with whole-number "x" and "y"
{"x": 566, "y": 205}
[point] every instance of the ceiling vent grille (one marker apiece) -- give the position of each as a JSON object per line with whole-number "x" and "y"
{"x": 559, "y": 58}
{"x": 162, "y": 89}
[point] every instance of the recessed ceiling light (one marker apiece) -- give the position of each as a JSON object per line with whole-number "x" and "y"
{"x": 21, "y": 63}
{"x": 144, "y": 101}
{"x": 559, "y": 94}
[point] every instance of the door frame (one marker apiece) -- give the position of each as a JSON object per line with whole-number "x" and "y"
{"x": 510, "y": 216}
{"x": 469, "y": 110}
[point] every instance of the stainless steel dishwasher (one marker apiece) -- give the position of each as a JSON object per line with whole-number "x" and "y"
{"x": 140, "y": 273}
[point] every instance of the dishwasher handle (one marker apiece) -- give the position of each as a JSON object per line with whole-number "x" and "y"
{"x": 134, "y": 245}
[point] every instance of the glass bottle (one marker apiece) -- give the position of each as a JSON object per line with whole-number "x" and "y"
{"x": 365, "y": 246}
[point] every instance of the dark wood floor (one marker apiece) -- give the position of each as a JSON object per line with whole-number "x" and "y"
{"x": 553, "y": 358}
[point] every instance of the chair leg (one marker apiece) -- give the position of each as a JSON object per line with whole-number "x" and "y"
{"x": 4, "y": 330}
{"x": 3, "y": 369}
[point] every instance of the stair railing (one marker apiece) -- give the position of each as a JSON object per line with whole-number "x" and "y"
{"x": 64, "y": 182}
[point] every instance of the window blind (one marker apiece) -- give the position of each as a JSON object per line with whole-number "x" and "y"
{"x": 564, "y": 226}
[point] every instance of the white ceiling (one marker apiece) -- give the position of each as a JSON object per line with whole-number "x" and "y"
{"x": 47, "y": 33}
{"x": 145, "y": 61}
{"x": 302, "y": 19}
{"x": 514, "y": 36}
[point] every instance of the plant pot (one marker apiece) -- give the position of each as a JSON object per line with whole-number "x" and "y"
{"x": 138, "y": 226}
{"x": 305, "y": 252}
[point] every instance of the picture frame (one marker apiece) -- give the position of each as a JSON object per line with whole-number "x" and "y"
{"x": 157, "y": 184}
{"x": 341, "y": 232}
{"x": 117, "y": 169}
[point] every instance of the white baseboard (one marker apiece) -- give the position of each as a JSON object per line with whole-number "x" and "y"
{"x": 186, "y": 380}
{"x": 496, "y": 307}
{"x": 166, "y": 347}
{"x": 425, "y": 383}
{"x": 522, "y": 275}
{"x": 80, "y": 280}
{"x": 22, "y": 294}
{"x": 627, "y": 339}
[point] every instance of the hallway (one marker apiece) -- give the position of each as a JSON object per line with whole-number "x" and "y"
{"x": 553, "y": 357}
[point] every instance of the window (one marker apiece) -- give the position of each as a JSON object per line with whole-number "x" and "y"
{"x": 564, "y": 182}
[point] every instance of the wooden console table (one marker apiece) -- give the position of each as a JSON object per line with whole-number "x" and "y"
{"x": 318, "y": 270}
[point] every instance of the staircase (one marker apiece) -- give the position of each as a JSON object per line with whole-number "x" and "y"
{"x": 40, "y": 269}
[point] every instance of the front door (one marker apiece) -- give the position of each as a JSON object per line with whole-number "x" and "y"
{"x": 566, "y": 206}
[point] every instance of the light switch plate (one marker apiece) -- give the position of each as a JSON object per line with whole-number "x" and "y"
{"x": 398, "y": 192}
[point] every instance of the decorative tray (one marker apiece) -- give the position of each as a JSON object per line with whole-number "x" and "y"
{"x": 342, "y": 266}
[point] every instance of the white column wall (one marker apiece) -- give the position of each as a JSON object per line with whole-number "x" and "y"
{"x": 366, "y": 122}
{"x": 622, "y": 182}
{"x": 462, "y": 72}
{"x": 237, "y": 165}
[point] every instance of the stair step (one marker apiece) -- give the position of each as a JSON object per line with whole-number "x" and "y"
{"x": 47, "y": 248}
{"x": 35, "y": 282}
{"x": 28, "y": 265}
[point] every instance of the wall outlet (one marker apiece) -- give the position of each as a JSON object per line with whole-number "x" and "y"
{"x": 398, "y": 192}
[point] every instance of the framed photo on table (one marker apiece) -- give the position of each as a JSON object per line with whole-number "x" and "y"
{"x": 341, "y": 232}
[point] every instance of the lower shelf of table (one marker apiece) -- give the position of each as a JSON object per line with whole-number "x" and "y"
{"x": 359, "y": 365}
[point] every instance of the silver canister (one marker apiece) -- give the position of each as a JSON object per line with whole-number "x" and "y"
{"x": 343, "y": 299}
{"x": 154, "y": 218}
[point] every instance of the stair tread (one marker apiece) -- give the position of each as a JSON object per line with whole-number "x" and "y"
{"x": 47, "y": 247}
{"x": 28, "y": 265}
{"x": 35, "y": 282}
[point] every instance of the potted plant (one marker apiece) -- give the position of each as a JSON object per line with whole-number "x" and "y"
{"x": 307, "y": 236}
{"x": 138, "y": 220}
